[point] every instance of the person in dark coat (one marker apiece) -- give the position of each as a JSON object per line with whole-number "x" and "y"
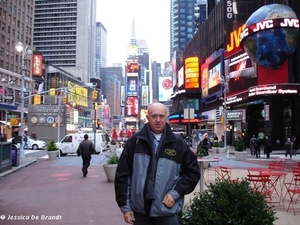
{"x": 257, "y": 146}
{"x": 267, "y": 146}
{"x": 155, "y": 171}
{"x": 85, "y": 149}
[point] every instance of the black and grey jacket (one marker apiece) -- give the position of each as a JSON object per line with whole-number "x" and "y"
{"x": 143, "y": 178}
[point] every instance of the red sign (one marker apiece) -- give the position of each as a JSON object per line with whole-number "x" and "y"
{"x": 37, "y": 65}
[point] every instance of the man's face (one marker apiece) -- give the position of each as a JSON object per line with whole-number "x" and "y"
{"x": 157, "y": 117}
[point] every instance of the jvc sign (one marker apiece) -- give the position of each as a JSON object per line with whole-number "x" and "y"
{"x": 234, "y": 114}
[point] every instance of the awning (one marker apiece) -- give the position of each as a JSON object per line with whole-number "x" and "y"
{"x": 8, "y": 107}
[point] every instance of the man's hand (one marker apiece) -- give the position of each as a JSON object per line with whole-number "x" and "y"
{"x": 129, "y": 217}
{"x": 168, "y": 201}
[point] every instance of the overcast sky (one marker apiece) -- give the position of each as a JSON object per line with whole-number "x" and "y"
{"x": 152, "y": 23}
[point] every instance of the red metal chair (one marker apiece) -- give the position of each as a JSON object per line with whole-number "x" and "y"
{"x": 225, "y": 172}
{"x": 293, "y": 190}
{"x": 275, "y": 166}
{"x": 260, "y": 183}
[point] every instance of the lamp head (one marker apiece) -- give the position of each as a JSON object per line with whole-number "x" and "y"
{"x": 19, "y": 46}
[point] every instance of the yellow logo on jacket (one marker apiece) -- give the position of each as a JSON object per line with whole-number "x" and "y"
{"x": 170, "y": 152}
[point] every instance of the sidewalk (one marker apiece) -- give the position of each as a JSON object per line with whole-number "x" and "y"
{"x": 64, "y": 192}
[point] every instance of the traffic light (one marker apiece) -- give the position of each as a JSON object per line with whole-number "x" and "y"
{"x": 65, "y": 100}
{"x": 94, "y": 95}
{"x": 95, "y": 104}
{"x": 54, "y": 125}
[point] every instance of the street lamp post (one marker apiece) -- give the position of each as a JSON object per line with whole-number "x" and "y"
{"x": 225, "y": 83}
{"x": 27, "y": 51}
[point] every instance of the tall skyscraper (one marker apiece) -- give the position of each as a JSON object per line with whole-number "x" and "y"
{"x": 64, "y": 31}
{"x": 182, "y": 26}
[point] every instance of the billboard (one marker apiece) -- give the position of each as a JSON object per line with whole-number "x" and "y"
{"x": 240, "y": 71}
{"x": 180, "y": 77}
{"x": 212, "y": 73}
{"x": 145, "y": 95}
{"x": 132, "y": 69}
{"x": 123, "y": 96}
{"x": 37, "y": 65}
{"x": 164, "y": 88}
{"x": 132, "y": 86}
{"x": 191, "y": 73}
{"x": 132, "y": 106}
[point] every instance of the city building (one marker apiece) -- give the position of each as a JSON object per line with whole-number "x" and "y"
{"x": 16, "y": 25}
{"x": 234, "y": 95}
{"x": 64, "y": 32}
{"x": 183, "y": 24}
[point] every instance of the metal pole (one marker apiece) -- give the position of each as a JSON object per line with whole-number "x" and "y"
{"x": 58, "y": 121}
{"x": 22, "y": 153}
{"x": 95, "y": 125}
{"x": 189, "y": 124}
{"x": 225, "y": 119}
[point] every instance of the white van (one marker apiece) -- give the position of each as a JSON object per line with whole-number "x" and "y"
{"x": 69, "y": 144}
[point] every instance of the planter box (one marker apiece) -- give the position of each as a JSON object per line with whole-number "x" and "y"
{"x": 110, "y": 171}
{"x": 113, "y": 148}
{"x": 52, "y": 154}
{"x": 241, "y": 156}
{"x": 221, "y": 150}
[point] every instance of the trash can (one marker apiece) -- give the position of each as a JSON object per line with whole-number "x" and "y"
{"x": 15, "y": 155}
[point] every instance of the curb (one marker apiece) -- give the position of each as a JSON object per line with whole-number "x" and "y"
{"x": 20, "y": 166}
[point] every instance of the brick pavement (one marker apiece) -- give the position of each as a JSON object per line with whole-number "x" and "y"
{"x": 46, "y": 188}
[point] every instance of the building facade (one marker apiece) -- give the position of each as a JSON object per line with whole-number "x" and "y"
{"x": 240, "y": 101}
{"x": 67, "y": 37}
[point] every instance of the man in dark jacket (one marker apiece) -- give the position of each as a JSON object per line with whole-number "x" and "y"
{"x": 155, "y": 171}
{"x": 267, "y": 146}
{"x": 85, "y": 149}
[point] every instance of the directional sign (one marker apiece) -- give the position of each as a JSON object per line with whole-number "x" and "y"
{"x": 8, "y": 97}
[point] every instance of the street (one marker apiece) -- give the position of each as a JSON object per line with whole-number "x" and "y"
{"x": 54, "y": 192}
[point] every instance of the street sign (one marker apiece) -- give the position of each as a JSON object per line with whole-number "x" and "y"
{"x": 8, "y": 97}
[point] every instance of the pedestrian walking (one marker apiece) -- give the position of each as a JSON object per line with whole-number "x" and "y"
{"x": 295, "y": 146}
{"x": 85, "y": 149}
{"x": 155, "y": 171}
{"x": 267, "y": 147}
{"x": 288, "y": 146}
{"x": 252, "y": 143}
{"x": 25, "y": 140}
{"x": 257, "y": 146}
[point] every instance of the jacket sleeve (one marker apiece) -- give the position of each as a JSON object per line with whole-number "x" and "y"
{"x": 79, "y": 150}
{"x": 122, "y": 178}
{"x": 190, "y": 173}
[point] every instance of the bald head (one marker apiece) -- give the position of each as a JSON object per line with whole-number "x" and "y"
{"x": 157, "y": 117}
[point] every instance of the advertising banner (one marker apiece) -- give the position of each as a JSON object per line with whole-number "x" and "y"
{"x": 164, "y": 88}
{"x": 132, "y": 69}
{"x": 132, "y": 86}
{"x": 132, "y": 106}
{"x": 145, "y": 95}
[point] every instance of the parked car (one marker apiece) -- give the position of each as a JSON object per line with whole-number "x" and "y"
{"x": 33, "y": 144}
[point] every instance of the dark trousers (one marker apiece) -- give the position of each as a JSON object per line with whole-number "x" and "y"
{"x": 86, "y": 161}
{"x": 142, "y": 219}
{"x": 257, "y": 152}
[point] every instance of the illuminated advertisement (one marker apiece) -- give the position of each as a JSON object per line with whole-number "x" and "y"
{"x": 132, "y": 106}
{"x": 180, "y": 77}
{"x": 164, "y": 88}
{"x": 132, "y": 86}
{"x": 191, "y": 73}
{"x": 132, "y": 69}
{"x": 77, "y": 95}
{"x": 37, "y": 65}
{"x": 132, "y": 51}
{"x": 123, "y": 95}
{"x": 240, "y": 71}
{"x": 145, "y": 95}
{"x": 212, "y": 73}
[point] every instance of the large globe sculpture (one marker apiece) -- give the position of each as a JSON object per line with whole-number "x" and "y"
{"x": 270, "y": 35}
